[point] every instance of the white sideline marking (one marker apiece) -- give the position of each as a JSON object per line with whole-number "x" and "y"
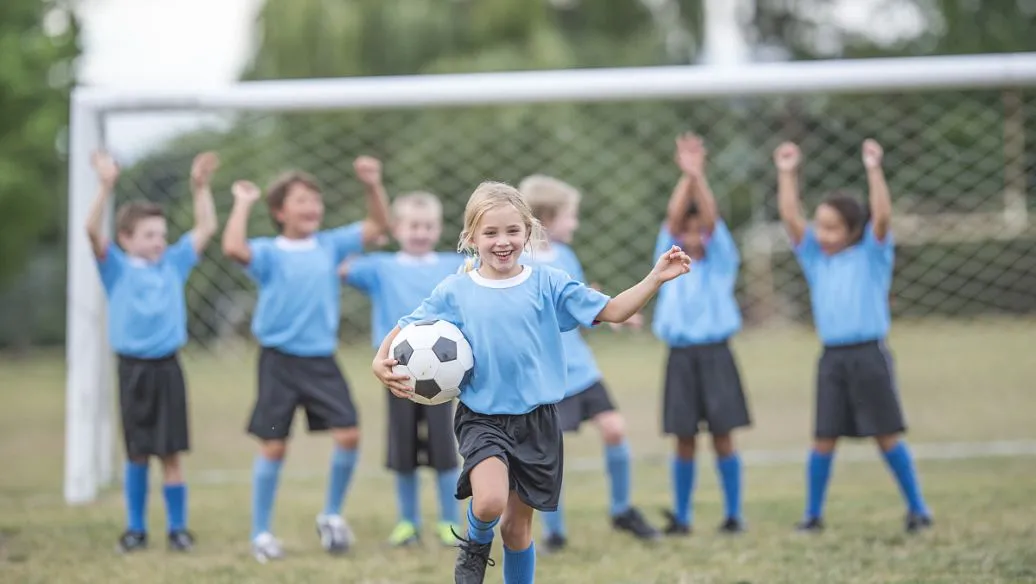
{"x": 849, "y": 453}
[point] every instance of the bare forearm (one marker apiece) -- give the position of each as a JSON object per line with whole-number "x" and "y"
{"x": 377, "y": 222}
{"x": 880, "y": 202}
{"x": 707, "y": 212}
{"x": 204, "y": 216}
{"x": 679, "y": 202}
{"x": 383, "y": 350}
{"x": 95, "y": 220}
{"x": 788, "y": 205}
{"x": 629, "y": 302}
{"x": 235, "y": 234}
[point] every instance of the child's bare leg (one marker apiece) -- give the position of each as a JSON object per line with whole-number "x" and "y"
{"x": 516, "y": 532}
{"x": 489, "y": 491}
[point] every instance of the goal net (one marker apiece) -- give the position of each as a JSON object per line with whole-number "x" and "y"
{"x": 958, "y": 134}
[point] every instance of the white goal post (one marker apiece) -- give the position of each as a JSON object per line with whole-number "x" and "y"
{"x": 91, "y": 426}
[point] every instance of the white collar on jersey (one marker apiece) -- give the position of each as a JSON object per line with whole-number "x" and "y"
{"x": 137, "y": 262}
{"x": 411, "y": 259}
{"x": 295, "y": 244}
{"x": 547, "y": 254}
{"x": 506, "y": 283}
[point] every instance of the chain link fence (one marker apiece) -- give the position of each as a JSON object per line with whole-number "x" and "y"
{"x": 961, "y": 166}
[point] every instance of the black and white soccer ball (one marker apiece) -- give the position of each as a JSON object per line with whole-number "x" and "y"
{"x": 436, "y": 357}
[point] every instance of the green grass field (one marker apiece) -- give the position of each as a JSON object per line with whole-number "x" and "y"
{"x": 965, "y": 382}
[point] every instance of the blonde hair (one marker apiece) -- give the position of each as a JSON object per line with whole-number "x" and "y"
{"x": 490, "y": 195}
{"x": 417, "y": 201}
{"x": 547, "y": 195}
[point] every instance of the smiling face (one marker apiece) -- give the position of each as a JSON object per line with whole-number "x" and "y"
{"x": 146, "y": 239}
{"x": 302, "y": 211}
{"x": 417, "y": 228}
{"x": 500, "y": 237}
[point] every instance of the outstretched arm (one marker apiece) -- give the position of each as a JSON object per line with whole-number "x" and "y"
{"x": 671, "y": 264}
{"x": 880, "y": 200}
{"x": 786, "y": 159}
{"x": 204, "y": 166}
{"x": 107, "y": 173}
{"x": 376, "y": 224}
{"x": 235, "y": 234}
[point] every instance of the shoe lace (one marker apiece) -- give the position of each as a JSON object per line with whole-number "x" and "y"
{"x": 475, "y": 553}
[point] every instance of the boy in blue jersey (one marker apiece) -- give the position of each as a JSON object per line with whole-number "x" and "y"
{"x": 847, "y": 255}
{"x": 556, "y": 205}
{"x": 296, "y": 323}
{"x": 507, "y": 422}
{"x": 147, "y": 322}
{"x": 396, "y": 284}
{"x": 696, "y": 316}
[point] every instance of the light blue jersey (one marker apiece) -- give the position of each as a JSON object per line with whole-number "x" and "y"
{"x": 700, "y": 308}
{"x": 397, "y": 283}
{"x": 299, "y": 289}
{"x": 147, "y": 313}
{"x": 514, "y": 327}
{"x": 849, "y": 290}
{"x": 582, "y": 367}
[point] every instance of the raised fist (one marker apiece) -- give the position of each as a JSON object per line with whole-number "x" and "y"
{"x": 690, "y": 154}
{"x": 245, "y": 191}
{"x": 203, "y": 167}
{"x": 872, "y": 153}
{"x": 368, "y": 170}
{"x": 106, "y": 167}
{"x": 787, "y": 156}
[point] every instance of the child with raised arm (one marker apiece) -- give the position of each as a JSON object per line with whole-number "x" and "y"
{"x": 396, "y": 284}
{"x": 847, "y": 255}
{"x": 296, "y": 324}
{"x": 555, "y": 204}
{"x": 696, "y": 316}
{"x": 144, "y": 280}
{"x": 507, "y": 421}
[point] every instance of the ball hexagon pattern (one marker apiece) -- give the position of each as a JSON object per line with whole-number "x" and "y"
{"x": 437, "y": 359}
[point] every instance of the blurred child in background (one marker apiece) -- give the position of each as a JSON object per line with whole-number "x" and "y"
{"x": 556, "y": 205}
{"x": 696, "y": 316}
{"x": 296, "y": 323}
{"x": 847, "y": 256}
{"x": 144, "y": 279}
{"x": 396, "y": 284}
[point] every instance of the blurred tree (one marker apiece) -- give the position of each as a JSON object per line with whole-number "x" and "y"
{"x": 38, "y": 46}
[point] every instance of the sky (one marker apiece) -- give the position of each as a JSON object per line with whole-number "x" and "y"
{"x": 177, "y": 43}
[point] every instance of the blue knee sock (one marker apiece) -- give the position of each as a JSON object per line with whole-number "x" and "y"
{"x": 480, "y": 531}
{"x": 818, "y": 473}
{"x": 683, "y": 487}
{"x": 617, "y": 458}
{"x": 447, "y": 487}
{"x": 176, "y": 506}
{"x": 554, "y": 521}
{"x": 135, "y": 490}
{"x": 265, "y": 473}
{"x": 902, "y": 465}
{"x": 406, "y": 497}
{"x": 520, "y": 567}
{"x": 729, "y": 468}
{"x": 343, "y": 461}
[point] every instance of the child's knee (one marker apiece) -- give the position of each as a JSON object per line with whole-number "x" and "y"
{"x": 516, "y": 532}
{"x": 825, "y": 445}
{"x": 723, "y": 444}
{"x": 685, "y": 446}
{"x": 488, "y": 506}
{"x": 171, "y": 468}
{"x": 612, "y": 426}
{"x": 347, "y": 438}
{"x": 887, "y": 442}
{"x": 273, "y": 449}
{"x": 138, "y": 460}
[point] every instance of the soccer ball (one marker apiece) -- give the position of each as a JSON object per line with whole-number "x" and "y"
{"x": 436, "y": 357}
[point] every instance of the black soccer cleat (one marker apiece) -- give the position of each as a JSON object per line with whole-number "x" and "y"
{"x": 131, "y": 541}
{"x": 916, "y": 523}
{"x": 472, "y": 559}
{"x": 732, "y": 526}
{"x": 673, "y": 526}
{"x": 553, "y": 544}
{"x": 811, "y": 525}
{"x": 181, "y": 540}
{"x": 633, "y": 522}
